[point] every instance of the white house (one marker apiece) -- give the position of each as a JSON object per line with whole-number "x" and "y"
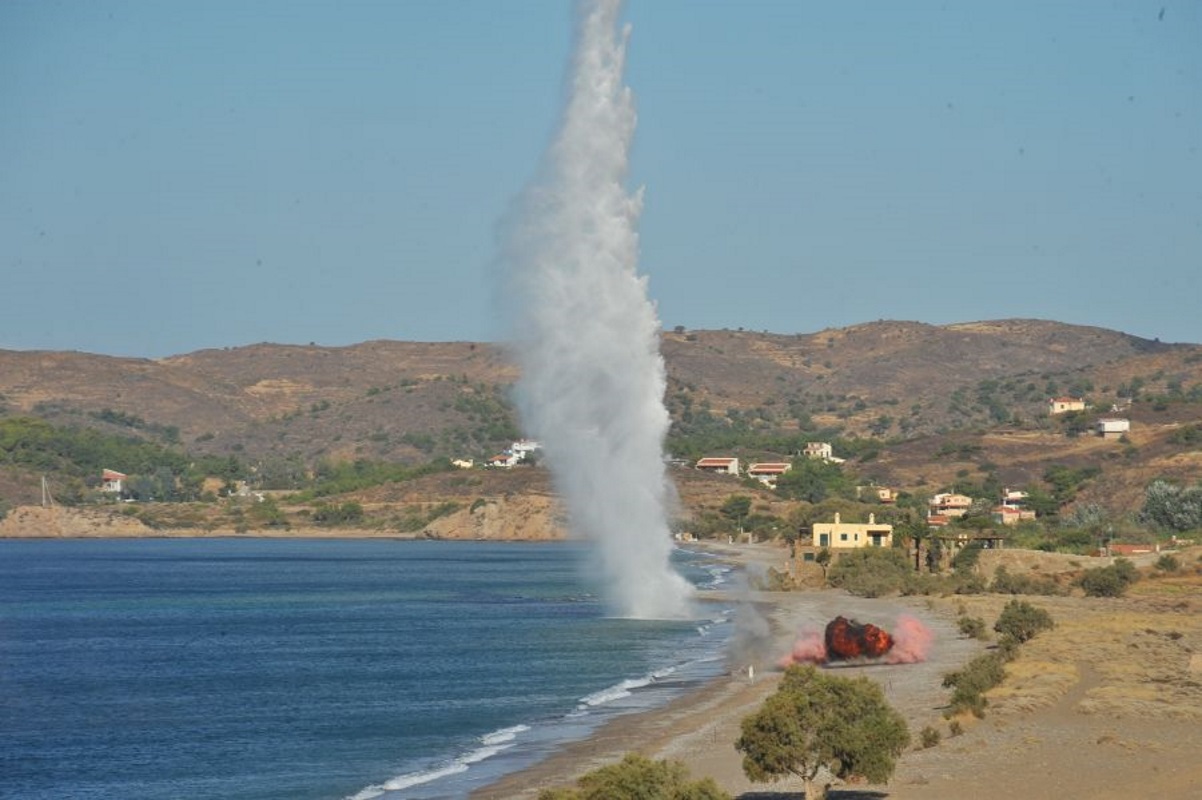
{"x": 822, "y": 451}
{"x": 1113, "y": 428}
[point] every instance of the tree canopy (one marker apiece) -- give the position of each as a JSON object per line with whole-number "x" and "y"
{"x": 816, "y": 722}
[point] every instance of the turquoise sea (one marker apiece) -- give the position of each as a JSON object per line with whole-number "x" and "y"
{"x": 322, "y": 669}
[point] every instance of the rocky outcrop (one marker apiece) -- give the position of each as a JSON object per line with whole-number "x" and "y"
{"x": 36, "y": 522}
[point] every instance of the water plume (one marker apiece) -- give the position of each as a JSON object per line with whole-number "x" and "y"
{"x": 586, "y": 335}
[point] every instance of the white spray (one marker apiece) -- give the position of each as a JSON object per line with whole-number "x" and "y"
{"x": 587, "y": 337}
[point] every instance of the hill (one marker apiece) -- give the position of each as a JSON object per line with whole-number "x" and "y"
{"x": 915, "y": 405}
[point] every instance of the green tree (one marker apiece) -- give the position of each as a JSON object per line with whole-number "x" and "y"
{"x": 736, "y": 508}
{"x": 823, "y": 559}
{"x": 636, "y": 777}
{"x": 815, "y": 722}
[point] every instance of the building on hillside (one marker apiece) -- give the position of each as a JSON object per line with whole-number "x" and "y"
{"x": 1011, "y": 515}
{"x": 1117, "y": 549}
{"x": 822, "y": 451}
{"x": 524, "y": 448}
{"x": 1113, "y": 427}
{"x": 516, "y": 453}
{"x": 839, "y": 534}
{"x": 1062, "y": 405}
{"x": 882, "y": 494}
{"x": 1014, "y": 498}
{"x": 463, "y": 463}
{"x": 949, "y": 504}
{"x": 112, "y": 481}
{"x": 766, "y": 472}
{"x": 721, "y": 465}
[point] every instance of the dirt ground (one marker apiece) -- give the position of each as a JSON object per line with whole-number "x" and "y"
{"x": 1106, "y": 705}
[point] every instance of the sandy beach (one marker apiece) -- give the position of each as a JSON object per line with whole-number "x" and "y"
{"x": 1106, "y": 706}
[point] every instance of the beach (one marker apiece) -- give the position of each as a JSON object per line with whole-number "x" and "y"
{"x": 1080, "y": 715}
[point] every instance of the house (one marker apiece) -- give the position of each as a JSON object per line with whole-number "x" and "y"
{"x": 1062, "y": 405}
{"x": 517, "y": 452}
{"x": 948, "y": 504}
{"x": 822, "y": 451}
{"x": 524, "y": 448}
{"x": 1011, "y": 515}
{"x": 722, "y": 465}
{"x": 1114, "y": 549}
{"x": 883, "y": 494}
{"x": 1014, "y": 498}
{"x": 766, "y": 472}
{"x": 1113, "y": 427}
{"x": 839, "y": 534}
{"x": 112, "y": 481}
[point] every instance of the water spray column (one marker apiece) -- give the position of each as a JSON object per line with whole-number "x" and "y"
{"x": 587, "y": 336}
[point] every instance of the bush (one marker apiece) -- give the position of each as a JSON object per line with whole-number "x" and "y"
{"x": 1020, "y": 621}
{"x": 970, "y": 684}
{"x": 638, "y": 778}
{"x": 1166, "y": 563}
{"x": 930, "y": 737}
{"x": 973, "y": 627}
{"x": 1111, "y": 581}
{"x": 872, "y": 572}
{"x": 1005, "y": 583}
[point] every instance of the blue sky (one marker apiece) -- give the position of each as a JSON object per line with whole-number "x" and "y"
{"x": 176, "y": 176}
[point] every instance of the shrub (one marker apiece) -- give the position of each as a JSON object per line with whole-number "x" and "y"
{"x": 1005, "y": 583}
{"x": 970, "y": 684}
{"x": 973, "y": 627}
{"x": 1111, "y": 581}
{"x": 872, "y": 572}
{"x": 636, "y": 777}
{"x": 1166, "y": 563}
{"x": 954, "y": 728}
{"x": 1020, "y": 621}
{"x": 930, "y": 737}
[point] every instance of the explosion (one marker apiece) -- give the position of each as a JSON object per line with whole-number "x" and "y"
{"x": 846, "y": 639}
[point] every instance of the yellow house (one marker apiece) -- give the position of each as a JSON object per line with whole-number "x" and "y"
{"x": 1062, "y": 405}
{"x": 851, "y": 534}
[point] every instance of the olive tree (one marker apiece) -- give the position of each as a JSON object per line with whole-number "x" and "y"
{"x": 816, "y": 723}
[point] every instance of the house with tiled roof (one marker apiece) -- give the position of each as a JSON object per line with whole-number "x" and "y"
{"x": 719, "y": 464}
{"x": 112, "y": 481}
{"x": 766, "y": 472}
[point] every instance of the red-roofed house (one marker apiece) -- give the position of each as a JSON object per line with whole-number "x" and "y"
{"x": 1011, "y": 515}
{"x": 766, "y": 472}
{"x": 111, "y": 481}
{"x": 726, "y": 466}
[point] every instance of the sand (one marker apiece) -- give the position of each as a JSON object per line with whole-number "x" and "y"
{"x": 1107, "y": 705}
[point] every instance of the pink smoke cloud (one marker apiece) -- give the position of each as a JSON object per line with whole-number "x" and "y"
{"x": 911, "y": 641}
{"x": 810, "y": 648}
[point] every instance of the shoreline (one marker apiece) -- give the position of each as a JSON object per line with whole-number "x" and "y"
{"x": 700, "y": 728}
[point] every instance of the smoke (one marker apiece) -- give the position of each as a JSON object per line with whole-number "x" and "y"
{"x": 911, "y": 641}
{"x": 587, "y": 337}
{"x": 809, "y": 648}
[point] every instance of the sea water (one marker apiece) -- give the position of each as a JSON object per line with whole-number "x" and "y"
{"x": 270, "y": 668}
